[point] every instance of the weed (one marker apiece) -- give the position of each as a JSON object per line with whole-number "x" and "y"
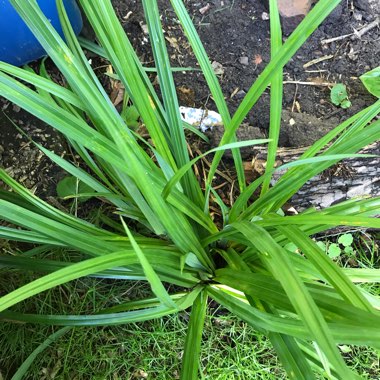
{"x": 339, "y": 96}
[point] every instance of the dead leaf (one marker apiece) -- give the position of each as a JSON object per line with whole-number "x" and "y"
{"x": 140, "y": 374}
{"x": 186, "y": 95}
{"x": 173, "y": 42}
{"x": 117, "y": 93}
{"x": 258, "y": 59}
{"x": 317, "y": 80}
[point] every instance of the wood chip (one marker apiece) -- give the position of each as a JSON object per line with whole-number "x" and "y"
{"x": 359, "y": 34}
{"x": 234, "y": 92}
{"x": 205, "y": 9}
{"x": 128, "y": 15}
{"x": 323, "y": 84}
{"x": 317, "y": 60}
{"x": 339, "y": 38}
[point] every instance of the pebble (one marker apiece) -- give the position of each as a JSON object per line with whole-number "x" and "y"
{"x": 358, "y": 16}
{"x": 244, "y": 61}
{"x": 240, "y": 94}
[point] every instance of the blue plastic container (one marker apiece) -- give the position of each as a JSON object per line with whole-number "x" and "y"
{"x": 18, "y": 46}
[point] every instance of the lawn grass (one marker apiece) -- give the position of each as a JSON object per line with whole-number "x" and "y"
{"x": 153, "y": 350}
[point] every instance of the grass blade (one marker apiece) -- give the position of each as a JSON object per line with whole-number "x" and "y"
{"x": 23, "y": 369}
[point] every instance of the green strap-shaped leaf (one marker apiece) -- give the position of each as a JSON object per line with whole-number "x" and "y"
{"x": 286, "y": 346}
{"x": 47, "y": 209}
{"x": 269, "y": 290}
{"x": 169, "y": 95}
{"x": 210, "y": 76}
{"x": 182, "y": 171}
{"x": 287, "y": 50}
{"x": 26, "y": 236}
{"x": 144, "y": 311}
{"x": 64, "y": 275}
{"x": 42, "y": 83}
{"x": 356, "y": 122}
{"x": 317, "y": 218}
{"x": 276, "y": 89}
{"x": 277, "y": 262}
{"x": 73, "y": 43}
{"x": 154, "y": 281}
{"x": 244, "y": 197}
{"x": 326, "y": 267}
{"x": 292, "y": 181}
{"x": 124, "y": 59}
{"x": 191, "y": 355}
{"x": 264, "y": 322}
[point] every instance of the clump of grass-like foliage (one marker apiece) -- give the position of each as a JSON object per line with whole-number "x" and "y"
{"x": 303, "y": 302}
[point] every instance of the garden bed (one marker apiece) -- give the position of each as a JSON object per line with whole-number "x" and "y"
{"x": 307, "y": 107}
{"x": 236, "y": 37}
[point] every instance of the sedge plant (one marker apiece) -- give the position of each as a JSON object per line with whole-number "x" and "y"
{"x": 162, "y": 230}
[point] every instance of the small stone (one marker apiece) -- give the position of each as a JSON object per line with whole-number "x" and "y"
{"x": 358, "y": 16}
{"x": 240, "y": 94}
{"x": 362, "y": 5}
{"x": 144, "y": 28}
{"x": 265, "y": 16}
{"x": 217, "y": 67}
{"x": 244, "y": 61}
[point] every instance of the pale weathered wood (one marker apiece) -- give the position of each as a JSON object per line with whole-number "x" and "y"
{"x": 349, "y": 179}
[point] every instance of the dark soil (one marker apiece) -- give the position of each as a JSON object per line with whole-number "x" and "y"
{"x": 236, "y": 36}
{"x": 20, "y": 157}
